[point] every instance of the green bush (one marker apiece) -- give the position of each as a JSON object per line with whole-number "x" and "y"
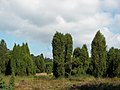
{"x": 3, "y": 86}
{"x": 12, "y": 82}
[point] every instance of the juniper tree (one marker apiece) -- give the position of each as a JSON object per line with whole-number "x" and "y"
{"x": 21, "y": 62}
{"x": 39, "y": 63}
{"x": 77, "y": 63}
{"x": 98, "y": 55}
{"x": 85, "y": 58}
{"x": 113, "y": 62}
{"x": 27, "y": 59}
{"x": 68, "y": 54}
{"x": 3, "y": 56}
{"x": 49, "y": 67}
{"x": 58, "y": 54}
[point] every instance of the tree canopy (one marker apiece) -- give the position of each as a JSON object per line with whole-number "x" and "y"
{"x": 66, "y": 61}
{"x": 98, "y": 55}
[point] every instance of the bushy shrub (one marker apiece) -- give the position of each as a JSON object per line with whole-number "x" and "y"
{"x": 3, "y": 86}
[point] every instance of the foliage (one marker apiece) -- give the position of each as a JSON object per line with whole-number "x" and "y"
{"x": 58, "y": 55}
{"x": 2, "y": 84}
{"x": 3, "y": 56}
{"x": 80, "y": 61}
{"x": 113, "y": 62}
{"x": 39, "y": 63}
{"x": 85, "y": 58}
{"x": 65, "y": 62}
{"x": 98, "y": 55}
{"x": 90, "y": 68}
{"x": 49, "y": 67}
{"x": 77, "y": 63}
{"x": 12, "y": 82}
{"x": 21, "y": 62}
{"x": 68, "y": 54}
{"x": 8, "y": 70}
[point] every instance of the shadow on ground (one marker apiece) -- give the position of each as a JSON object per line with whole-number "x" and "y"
{"x": 101, "y": 86}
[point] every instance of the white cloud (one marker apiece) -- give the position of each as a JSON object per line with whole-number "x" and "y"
{"x": 38, "y": 20}
{"x": 112, "y": 4}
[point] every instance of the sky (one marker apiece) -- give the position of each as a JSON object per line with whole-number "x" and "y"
{"x": 36, "y": 21}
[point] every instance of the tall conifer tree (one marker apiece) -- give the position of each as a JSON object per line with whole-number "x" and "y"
{"x": 98, "y": 55}
{"x": 68, "y": 54}
{"x": 77, "y": 63}
{"x": 113, "y": 62}
{"x": 58, "y": 55}
{"x": 85, "y": 58}
{"x": 39, "y": 63}
{"x": 3, "y": 56}
{"x": 21, "y": 62}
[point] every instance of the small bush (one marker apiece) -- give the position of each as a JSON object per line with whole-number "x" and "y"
{"x": 12, "y": 83}
{"x": 3, "y": 86}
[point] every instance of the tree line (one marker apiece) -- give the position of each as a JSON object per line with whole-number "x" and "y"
{"x": 68, "y": 62}
{"x": 20, "y": 62}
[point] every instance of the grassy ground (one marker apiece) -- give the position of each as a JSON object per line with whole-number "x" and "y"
{"x": 74, "y": 83}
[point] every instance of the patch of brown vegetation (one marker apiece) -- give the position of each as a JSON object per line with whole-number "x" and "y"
{"x": 23, "y": 85}
{"x": 47, "y": 83}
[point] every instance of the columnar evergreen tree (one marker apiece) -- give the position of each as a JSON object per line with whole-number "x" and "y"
{"x": 58, "y": 54}
{"x": 28, "y": 59}
{"x": 68, "y": 54}
{"x": 77, "y": 63}
{"x": 85, "y": 58}
{"x": 18, "y": 65}
{"x": 42, "y": 63}
{"x": 39, "y": 63}
{"x": 113, "y": 62}
{"x": 80, "y": 61}
{"x": 21, "y": 62}
{"x": 13, "y": 59}
{"x": 98, "y": 55}
{"x": 3, "y": 56}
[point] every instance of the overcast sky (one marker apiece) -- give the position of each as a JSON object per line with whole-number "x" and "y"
{"x": 36, "y": 21}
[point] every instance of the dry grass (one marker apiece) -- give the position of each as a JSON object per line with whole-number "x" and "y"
{"x": 47, "y": 82}
{"x": 41, "y": 74}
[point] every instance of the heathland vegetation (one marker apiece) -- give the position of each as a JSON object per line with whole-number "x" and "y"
{"x": 68, "y": 64}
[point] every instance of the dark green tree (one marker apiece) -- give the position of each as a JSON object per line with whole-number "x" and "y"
{"x": 13, "y": 59}
{"x": 3, "y": 56}
{"x": 113, "y": 62}
{"x": 29, "y": 65}
{"x": 58, "y": 54}
{"x": 85, "y": 58}
{"x": 49, "y": 67}
{"x": 77, "y": 63}
{"x": 68, "y": 54}
{"x": 21, "y": 60}
{"x": 8, "y": 68}
{"x": 90, "y": 68}
{"x": 39, "y": 63}
{"x": 98, "y": 55}
{"x": 33, "y": 60}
